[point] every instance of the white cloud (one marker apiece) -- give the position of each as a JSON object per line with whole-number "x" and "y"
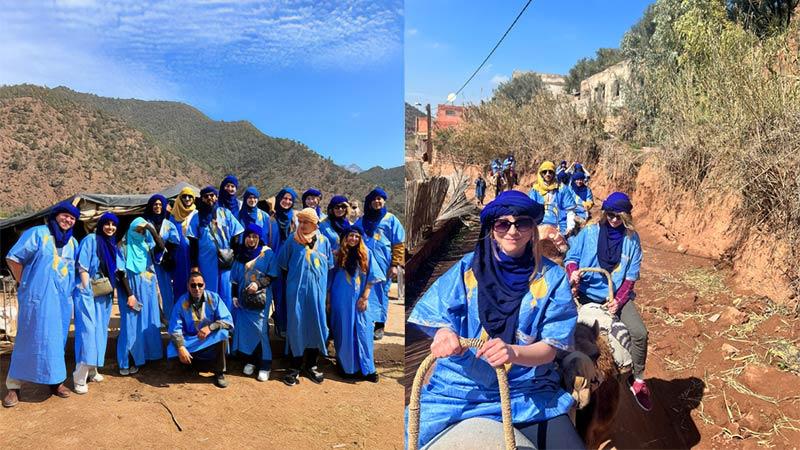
{"x": 411, "y": 31}
{"x": 345, "y": 34}
{"x": 498, "y": 79}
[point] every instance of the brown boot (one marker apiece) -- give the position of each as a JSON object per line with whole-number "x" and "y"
{"x": 59, "y": 390}
{"x": 11, "y": 399}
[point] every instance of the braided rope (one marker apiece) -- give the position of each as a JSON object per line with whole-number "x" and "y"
{"x": 607, "y": 275}
{"x": 416, "y": 390}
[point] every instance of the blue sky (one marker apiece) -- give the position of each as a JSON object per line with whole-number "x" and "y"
{"x": 326, "y": 73}
{"x": 446, "y": 40}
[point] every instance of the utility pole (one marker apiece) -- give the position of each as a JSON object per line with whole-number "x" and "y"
{"x": 429, "y": 150}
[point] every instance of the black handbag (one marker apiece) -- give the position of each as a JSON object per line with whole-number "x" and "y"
{"x": 225, "y": 256}
{"x": 257, "y": 300}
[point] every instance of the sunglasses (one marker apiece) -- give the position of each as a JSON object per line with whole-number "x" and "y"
{"x": 340, "y": 207}
{"x": 196, "y": 285}
{"x": 523, "y": 224}
{"x": 612, "y": 216}
{"x": 187, "y": 196}
{"x": 545, "y": 172}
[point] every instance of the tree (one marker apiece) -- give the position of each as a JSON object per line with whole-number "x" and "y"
{"x": 586, "y": 67}
{"x": 520, "y": 89}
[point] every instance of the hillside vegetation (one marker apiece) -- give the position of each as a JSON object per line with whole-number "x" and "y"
{"x": 193, "y": 146}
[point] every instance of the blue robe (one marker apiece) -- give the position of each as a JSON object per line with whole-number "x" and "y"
{"x": 218, "y": 281}
{"x": 389, "y": 233}
{"x": 583, "y": 251}
{"x": 584, "y": 196}
{"x": 279, "y": 285}
{"x": 183, "y": 320}
{"x": 352, "y": 330}
{"x": 306, "y": 287}
{"x": 464, "y": 387}
{"x": 170, "y": 234}
{"x": 92, "y": 314}
{"x": 45, "y": 306}
{"x": 180, "y": 274}
{"x": 252, "y": 326}
{"x": 327, "y": 230}
{"x": 140, "y": 332}
{"x": 556, "y": 204}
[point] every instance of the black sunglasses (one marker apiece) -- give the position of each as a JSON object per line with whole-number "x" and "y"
{"x": 187, "y": 196}
{"x": 612, "y": 216}
{"x": 545, "y": 172}
{"x": 196, "y": 285}
{"x": 523, "y": 224}
{"x": 340, "y": 207}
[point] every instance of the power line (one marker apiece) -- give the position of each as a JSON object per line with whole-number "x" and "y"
{"x": 495, "y": 47}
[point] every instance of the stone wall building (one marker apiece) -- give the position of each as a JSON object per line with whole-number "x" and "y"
{"x": 553, "y": 82}
{"x": 606, "y": 88}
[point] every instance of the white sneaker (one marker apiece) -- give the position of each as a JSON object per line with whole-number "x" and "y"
{"x": 81, "y": 388}
{"x": 96, "y": 377}
{"x": 263, "y": 375}
{"x": 249, "y": 369}
{"x": 133, "y": 370}
{"x": 124, "y": 372}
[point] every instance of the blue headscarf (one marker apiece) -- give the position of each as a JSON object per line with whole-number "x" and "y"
{"x": 503, "y": 281}
{"x": 609, "y": 241}
{"x": 107, "y": 247}
{"x": 227, "y": 200}
{"x": 284, "y": 216}
{"x": 337, "y": 223}
{"x": 137, "y": 247}
{"x": 373, "y": 217}
{"x": 62, "y": 237}
{"x": 244, "y": 254}
{"x": 315, "y": 193}
{"x": 150, "y": 216}
{"x": 249, "y": 214}
{"x": 575, "y": 188}
{"x": 205, "y": 213}
{"x": 578, "y": 167}
{"x": 352, "y": 260}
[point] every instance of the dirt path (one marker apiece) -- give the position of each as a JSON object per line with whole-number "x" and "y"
{"x": 128, "y": 412}
{"x": 723, "y": 368}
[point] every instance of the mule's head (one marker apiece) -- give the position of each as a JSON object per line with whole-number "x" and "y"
{"x": 586, "y": 340}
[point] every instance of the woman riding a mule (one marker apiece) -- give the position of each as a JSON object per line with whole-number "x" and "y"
{"x": 521, "y": 304}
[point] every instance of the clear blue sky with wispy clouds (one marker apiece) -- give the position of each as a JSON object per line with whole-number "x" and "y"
{"x": 446, "y": 40}
{"x": 326, "y": 73}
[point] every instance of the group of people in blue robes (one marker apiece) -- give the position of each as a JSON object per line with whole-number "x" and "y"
{"x": 209, "y": 268}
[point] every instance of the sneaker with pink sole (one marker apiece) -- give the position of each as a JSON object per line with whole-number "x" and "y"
{"x": 642, "y": 395}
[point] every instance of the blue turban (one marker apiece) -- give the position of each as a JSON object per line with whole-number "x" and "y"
{"x": 503, "y": 280}
{"x": 245, "y": 254}
{"x": 107, "y": 247}
{"x": 62, "y": 237}
{"x": 205, "y": 213}
{"x": 315, "y": 193}
{"x": 578, "y": 176}
{"x": 372, "y": 217}
{"x": 284, "y": 216}
{"x": 337, "y": 223}
{"x": 150, "y": 216}
{"x": 227, "y": 200}
{"x": 618, "y": 202}
{"x": 249, "y": 214}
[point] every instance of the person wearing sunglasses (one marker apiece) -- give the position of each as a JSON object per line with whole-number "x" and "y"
{"x": 212, "y": 232}
{"x": 558, "y": 203}
{"x": 385, "y": 238}
{"x": 180, "y": 215}
{"x": 198, "y": 330}
{"x": 520, "y": 302}
{"x": 335, "y": 223}
{"x": 43, "y": 263}
{"x": 306, "y": 258}
{"x": 252, "y": 273}
{"x": 140, "y": 316}
{"x": 613, "y": 244}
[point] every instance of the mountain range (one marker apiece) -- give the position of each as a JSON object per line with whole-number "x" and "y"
{"x": 56, "y": 142}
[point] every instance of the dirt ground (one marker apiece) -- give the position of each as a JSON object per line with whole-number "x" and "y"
{"x": 134, "y": 411}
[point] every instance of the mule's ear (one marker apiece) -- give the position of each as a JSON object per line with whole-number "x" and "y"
{"x": 596, "y": 329}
